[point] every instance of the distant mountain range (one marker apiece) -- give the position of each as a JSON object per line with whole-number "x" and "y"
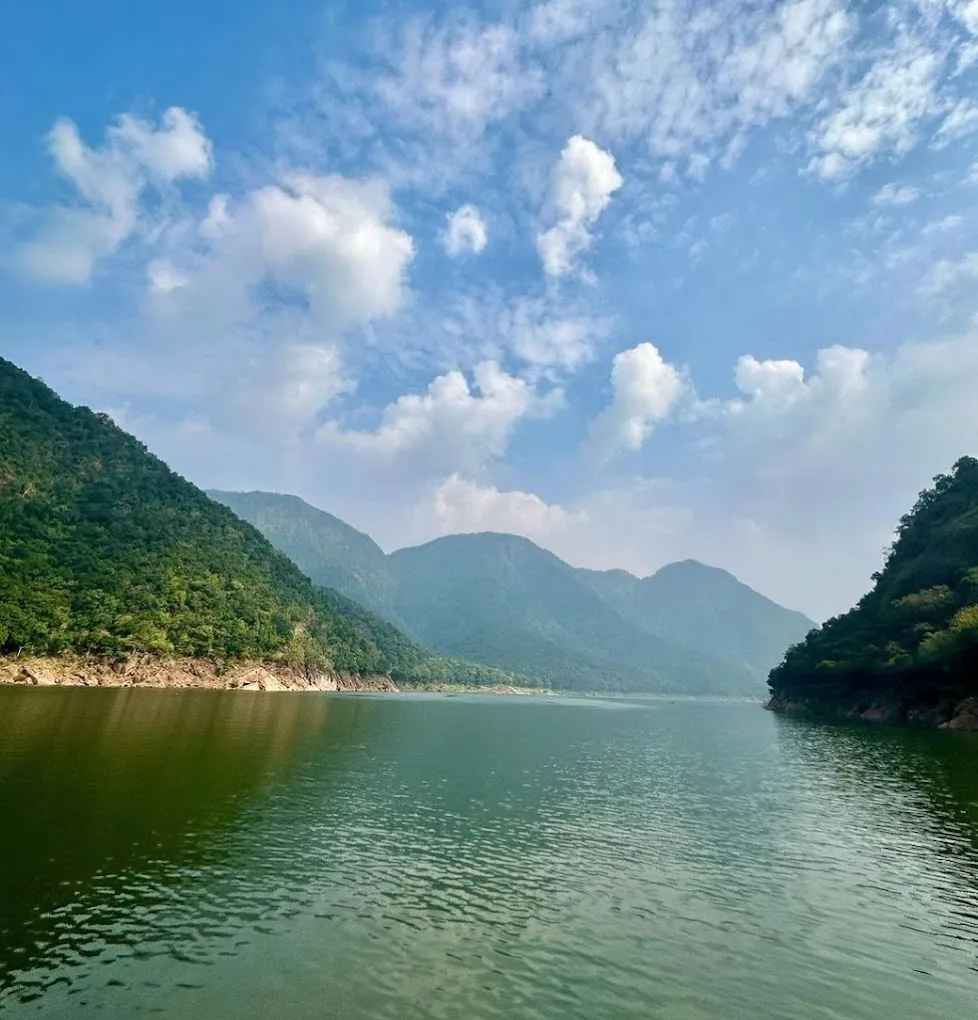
{"x": 503, "y": 601}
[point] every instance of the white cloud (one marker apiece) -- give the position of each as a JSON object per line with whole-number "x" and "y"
{"x": 454, "y": 77}
{"x": 327, "y": 239}
{"x": 694, "y": 82}
{"x": 646, "y": 391}
{"x": 947, "y": 274}
{"x": 558, "y": 21}
{"x": 110, "y": 182}
{"x": 544, "y": 338}
{"x": 461, "y": 505}
{"x": 945, "y": 225}
{"x": 960, "y": 122}
{"x": 583, "y": 182}
{"x": 895, "y": 194}
{"x": 164, "y": 277}
{"x": 287, "y": 388}
{"x": 881, "y": 113}
{"x": 466, "y": 232}
{"x": 808, "y": 458}
{"x": 451, "y": 427}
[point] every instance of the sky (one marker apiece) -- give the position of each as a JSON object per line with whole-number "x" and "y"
{"x": 640, "y": 281}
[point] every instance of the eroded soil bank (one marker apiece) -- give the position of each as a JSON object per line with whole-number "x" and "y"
{"x": 149, "y": 671}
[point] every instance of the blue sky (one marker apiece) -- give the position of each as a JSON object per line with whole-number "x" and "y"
{"x": 639, "y": 281}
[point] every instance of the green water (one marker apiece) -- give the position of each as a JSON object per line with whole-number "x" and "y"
{"x": 190, "y": 855}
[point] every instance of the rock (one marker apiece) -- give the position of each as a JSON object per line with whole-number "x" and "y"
{"x": 965, "y": 716}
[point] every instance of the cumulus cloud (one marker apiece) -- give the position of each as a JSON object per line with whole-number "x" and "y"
{"x": 326, "y": 239}
{"x": 466, "y": 232}
{"x": 110, "y": 182}
{"x": 583, "y": 182}
{"x": 452, "y": 426}
{"x": 461, "y": 505}
{"x": 646, "y": 391}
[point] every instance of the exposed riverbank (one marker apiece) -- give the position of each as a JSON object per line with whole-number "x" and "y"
{"x": 140, "y": 670}
{"x": 963, "y": 716}
{"x": 143, "y": 670}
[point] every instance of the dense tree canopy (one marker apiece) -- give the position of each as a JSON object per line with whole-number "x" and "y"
{"x": 104, "y": 550}
{"x": 911, "y": 643}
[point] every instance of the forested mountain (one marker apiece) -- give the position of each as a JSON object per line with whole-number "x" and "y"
{"x": 909, "y": 648}
{"x": 105, "y": 551}
{"x": 500, "y": 599}
{"x": 327, "y": 549}
{"x": 706, "y": 608}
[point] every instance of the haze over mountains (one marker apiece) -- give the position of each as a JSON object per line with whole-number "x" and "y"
{"x": 501, "y": 600}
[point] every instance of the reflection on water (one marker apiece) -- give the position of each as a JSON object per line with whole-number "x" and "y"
{"x": 96, "y": 783}
{"x": 197, "y": 854}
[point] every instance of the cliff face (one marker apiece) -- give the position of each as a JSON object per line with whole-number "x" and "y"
{"x": 149, "y": 671}
{"x": 908, "y": 651}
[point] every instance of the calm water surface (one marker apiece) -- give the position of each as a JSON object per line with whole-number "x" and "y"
{"x": 195, "y": 854}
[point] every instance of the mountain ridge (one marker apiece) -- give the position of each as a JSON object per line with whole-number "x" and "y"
{"x": 527, "y": 610}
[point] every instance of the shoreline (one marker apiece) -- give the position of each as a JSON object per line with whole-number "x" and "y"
{"x": 963, "y": 717}
{"x": 148, "y": 671}
{"x": 144, "y": 670}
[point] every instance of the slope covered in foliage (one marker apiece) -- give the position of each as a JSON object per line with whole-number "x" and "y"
{"x": 104, "y": 550}
{"x": 501, "y": 599}
{"x": 331, "y": 552}
{"x": 911, "y": 643}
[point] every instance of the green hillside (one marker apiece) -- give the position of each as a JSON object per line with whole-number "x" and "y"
{"x": 327, "y": 549}
{"x": 704, "y": 607}
{"x": 104, "y": 551}
{"x": 502, "y": 600}
{"x": 910, "y": 646}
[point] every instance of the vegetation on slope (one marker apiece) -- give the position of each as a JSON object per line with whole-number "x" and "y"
{"x": 502, "y": 600}
{"x": 104, "y": 550}
{"x": 911, "y": 643}
{"x": 707, "y": 609}
{"x": 325, "y": 548}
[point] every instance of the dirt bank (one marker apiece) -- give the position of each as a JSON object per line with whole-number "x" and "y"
{"x": 141, "y": 670}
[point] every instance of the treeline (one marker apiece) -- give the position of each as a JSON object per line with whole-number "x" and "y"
{"x": 911, "y": 643}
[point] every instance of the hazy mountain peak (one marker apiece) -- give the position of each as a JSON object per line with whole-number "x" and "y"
{"x": 502, "y": 599}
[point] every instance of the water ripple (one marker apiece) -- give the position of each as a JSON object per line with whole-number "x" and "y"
{"x": 444, "y": 858}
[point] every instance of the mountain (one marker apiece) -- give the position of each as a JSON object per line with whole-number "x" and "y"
{"x": 105, "y": 551}
{"x": 909, "y": 648}
{"x": 704, "y": 607}
{"x": 502, "y": 600}
{"x": 327, "y": 549}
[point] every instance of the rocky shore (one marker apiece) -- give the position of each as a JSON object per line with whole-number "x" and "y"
{"x": 964, "y": 715}
{"x": 144, "y": 670}
{"x": 140, "y": 670}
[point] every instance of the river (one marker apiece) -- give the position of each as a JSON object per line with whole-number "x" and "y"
{"x": 187, "y": 854}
